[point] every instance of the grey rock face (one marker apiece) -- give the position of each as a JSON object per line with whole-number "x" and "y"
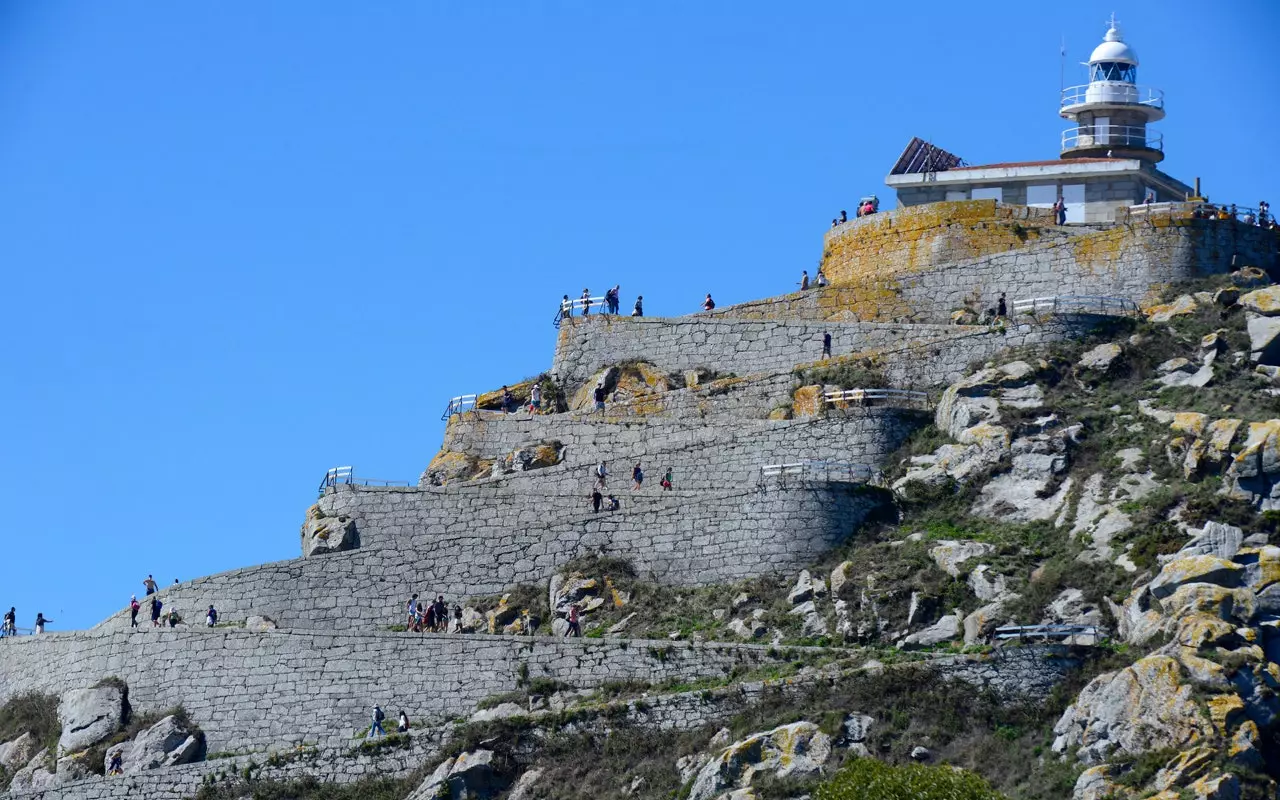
{"x": 943, "y": 630}
{"x": 950, "y": 554}
{"x": 797, "y": 749}
{"x": 34, "y": 776}
{"x": 1100, "y": 358}
{"x": 327, "y": 534}
{"x": 15, "y": 754}
{"x": 164, "y": 744}
{"x": 88, "y": 716}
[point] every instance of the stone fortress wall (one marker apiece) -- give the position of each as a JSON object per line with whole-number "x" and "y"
{"x": 897, "y": 278}
{"x": 920, "y": 264}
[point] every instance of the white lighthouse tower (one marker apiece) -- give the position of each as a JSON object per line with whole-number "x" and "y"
{"x": 1112, "y": 111}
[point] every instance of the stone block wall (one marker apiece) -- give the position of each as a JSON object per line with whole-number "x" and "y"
{"x": 481, "y": 541}
{"x": 251, "y": 691}
{"x": 712, "y": 453}
{"x": 741, "y": 346}
{"x": 922, "y": 263}
{"x": 911, "y": 356}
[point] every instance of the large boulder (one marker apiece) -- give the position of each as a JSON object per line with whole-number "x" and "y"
{"x": 944, "y": 630}
{"x": 35, "y": 776}
{"x": 1140, "y": 708}
{"x": 1264, "y": 338}
{"x": 1100, "y": 358}
{"x": 1263, "y": 301}
{"x": 534, "y": 455}
{"x": 170, "y": 741}
{"x": 322, "y": 533}
{"x": 1195, "y": 569}
{"x": 473, "y": 775}
{"x": 796, "y": 750}
{"x": 950, "y": 554}
{"x": 17, "y": 753}
{"x": 89, "y": 715}
{"x": 449, "y": 466}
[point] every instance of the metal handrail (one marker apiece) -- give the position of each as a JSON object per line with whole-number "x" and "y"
{"x": 1112, "y": 136}
{"x": 1065, "y": 304}
{"x": 1109, "y": 91}
{"x": 828, "y": 471}
{"x": 862, "y": 396}
{"x": 347, "y": 476}
{"x": 336, "y": 475}
{"x": 1047, "y": 631}
{"x": 459, "y": 405}
{"x": 582, "y": 304}
{"x": 18, "y": 632}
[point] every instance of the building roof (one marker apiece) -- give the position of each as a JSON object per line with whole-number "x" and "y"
{"x": 1052, "y": 162}
{"x": 1113, "y": 49}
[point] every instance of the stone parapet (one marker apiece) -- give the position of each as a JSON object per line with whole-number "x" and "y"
{"x": 251, "y": 691}
{"x": 483, "y": 540}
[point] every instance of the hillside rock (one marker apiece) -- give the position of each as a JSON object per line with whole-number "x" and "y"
{"x": 473, "y": 775}
{"x": 950, "y": 554}
{"x": 35, "y": 776}
{"x": 1264, "y": 339}
{"x": 798, "y": 749}
{"x": 164, "y": 744}
{"x": 1140, "y": 708}
{"x": 324, "y": 534}
{"x": 17, "y": 753}
{"x": 1195, "y": 569}
{"x": 944, "y": 630}
{"x": 88, "y": 716}
{"x": 1100, "y": 358}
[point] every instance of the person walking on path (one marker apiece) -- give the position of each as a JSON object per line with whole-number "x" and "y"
{"x": 822, "y": 279}
{"x": 826, "y": 345}
{"x": 804, "y": 280}
{"x": 614, "y": 298}
{"x": 586, "y": 302}
{"x": 41, "y": 622}
{"x": 211, "y": 617}
{"x": 535, "y": 399}
{"x": 665, "y": 483}
{"x": 638, "y": 311}
{"x": 156, "y": 605}
{"x": 376, "y": 728}
{"x": 457, "y": 618}
{"x": 133, "y": 611}
{"x": 602, "y": 475}
{"x": 403, "y": 726}
{"x": 599, "y": 394}
{"x": 412, "y": 609}
{"x": 150, "y": 583}
{"x": 1002, "y": 308}
{"x": 708, "y": 304}
{"x": 596, "y": 500}
{"x": 10, "y": 622}
{"x": 574, "y": 628}
{"x": 637, "y": 477}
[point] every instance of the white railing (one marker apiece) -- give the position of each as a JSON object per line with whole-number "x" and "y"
{"x": 1115, "y": 92}
{"x": 1048, "y": 632}
{"x": 580, "y": 305}
{"x": 1078, "y": 304}
{"x": 335, "y": 476}
{"x": 347, "y": 475}
{"x": 826, "y": 471}
{"x": 459, "y": 404}
{"x": 1112, "y": 136}
{"x": 865, "y": 396}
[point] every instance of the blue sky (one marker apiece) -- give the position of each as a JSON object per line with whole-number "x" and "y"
{"x": 242, "y": 243}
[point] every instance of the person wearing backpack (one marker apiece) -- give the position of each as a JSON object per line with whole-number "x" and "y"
{"x": 211, "y": 617}
{"x": 133, "y": 611}
{"x": 376, "y": 728}
{"x": 156, "y": 605}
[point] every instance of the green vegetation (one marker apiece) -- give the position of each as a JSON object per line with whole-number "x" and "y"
{"x": 36, "y": 714}
{"x": 869, "y": 779}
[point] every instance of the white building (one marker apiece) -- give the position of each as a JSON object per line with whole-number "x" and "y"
{"x": 1108, "y": 156}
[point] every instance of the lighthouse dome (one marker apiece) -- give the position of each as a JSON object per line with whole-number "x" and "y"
{"x": 1114, "y": 50}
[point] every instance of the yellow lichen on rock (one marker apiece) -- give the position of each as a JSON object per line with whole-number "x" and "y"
{"x": 808, "y": 401}
{"x": 1190, "y": 422}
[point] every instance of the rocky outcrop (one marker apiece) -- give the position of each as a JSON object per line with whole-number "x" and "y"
{"x": 473, "y": 775}
{"x": 325, "y": 534}
{"x": 16, "y": 754}
{"x": 170, "y": 741}
{"x": 798, "y": 749}
{"x": 89, "y": 715}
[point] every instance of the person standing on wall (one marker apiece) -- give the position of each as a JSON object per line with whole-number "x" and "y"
{"x": 1002, "y": 308}
{"x": 708, "y": 304}
{"x": 156, "y": 605}
{"x": 638, "y": 311}
{"x": 133, "y": 611}
{"x": 41, "y": 622}
{"x": 376, "y": 728}
{"x": 637, "y": 477}
{"x": 804, "y": 280}
{"x": 150, "y": 583}
{"x": 574, "y": 628}
{"x": 826, "y": 345}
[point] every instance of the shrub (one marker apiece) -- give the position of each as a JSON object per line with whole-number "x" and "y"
{"x": 870, "y": 779}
